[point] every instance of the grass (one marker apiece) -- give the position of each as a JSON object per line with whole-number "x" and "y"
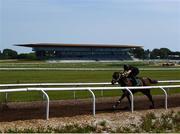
{"x": 66, "y": 129}
{"x": 75, "y": 76}
{"x": 71, "y": 76}
{"x": 54, "y": 76}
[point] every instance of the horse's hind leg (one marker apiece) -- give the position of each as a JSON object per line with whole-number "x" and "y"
{"x": 148, "y": 94}
{"x": 119, "y": 101}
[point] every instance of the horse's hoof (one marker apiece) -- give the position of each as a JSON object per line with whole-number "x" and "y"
{"x": 114, "y": 107}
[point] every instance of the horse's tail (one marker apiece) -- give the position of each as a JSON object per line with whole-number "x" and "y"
{"x": 153, "y": 81}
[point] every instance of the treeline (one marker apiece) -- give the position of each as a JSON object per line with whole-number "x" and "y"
{"x": 162, "y": 53}
{"x": 12, "y": 54}
{"x": 140, "y": 53}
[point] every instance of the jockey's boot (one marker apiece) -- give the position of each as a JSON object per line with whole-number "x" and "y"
{"x": 134, "y": 81}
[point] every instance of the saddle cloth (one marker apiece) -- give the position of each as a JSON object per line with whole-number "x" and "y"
{"x": 138, "y": 82}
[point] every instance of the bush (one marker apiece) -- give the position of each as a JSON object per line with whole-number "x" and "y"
{"x": 67, "y": 129}
{"x": 9, "y": 54}
{"x": 29, "y": 56}
{"x": 169, "y": 122}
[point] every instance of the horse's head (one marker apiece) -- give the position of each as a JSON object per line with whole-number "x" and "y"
{"x": 116, "y": 77}
{"x": 121, "y": 78}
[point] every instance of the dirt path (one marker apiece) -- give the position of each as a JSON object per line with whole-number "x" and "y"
{"x": 69, "y": 108}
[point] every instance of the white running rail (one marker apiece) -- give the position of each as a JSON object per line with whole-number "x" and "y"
{"x": 90, "y": 89}
{"x": 73, "y": 84}
{"x": 70, "y": 84}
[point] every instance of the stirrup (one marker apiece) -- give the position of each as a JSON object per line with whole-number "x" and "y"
{"x": 138, "y": 82}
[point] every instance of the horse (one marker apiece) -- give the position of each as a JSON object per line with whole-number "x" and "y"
{"x": 122, "y": 80}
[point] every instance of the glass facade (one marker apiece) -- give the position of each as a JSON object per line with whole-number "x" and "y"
{"x": 82, "y": 53}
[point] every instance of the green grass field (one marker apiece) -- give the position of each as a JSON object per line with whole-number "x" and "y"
{"x": 72, "y": 76}
{"x": 76, "y": 76}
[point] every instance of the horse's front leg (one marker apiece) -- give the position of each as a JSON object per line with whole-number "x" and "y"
{"x": 148, "y": 94}
{"x": 125, "y": 94}
{"x": 119, "y": 101}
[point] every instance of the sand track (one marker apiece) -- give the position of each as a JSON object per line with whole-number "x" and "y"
{"x": 68, "y": 108}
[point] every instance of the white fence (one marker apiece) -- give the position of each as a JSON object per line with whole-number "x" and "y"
{"x": 70, "y": 84}
{"x": 73, "y": 84}
{"x": 90, "y": 89}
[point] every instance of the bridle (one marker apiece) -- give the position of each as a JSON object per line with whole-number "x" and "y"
{"x": 120, "y": 76}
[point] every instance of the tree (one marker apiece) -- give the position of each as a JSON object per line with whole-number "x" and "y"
{"x": 138, "y": 53}
{"x": 161, "y": 53}
{"x": 155, "y": 54}
{"x": 9, "y": 54}
{"x": 29, "y": 56}
{"x": 164, "y": 52}
{"x": 1, "y": 55}
{"x": 147, "y": 54}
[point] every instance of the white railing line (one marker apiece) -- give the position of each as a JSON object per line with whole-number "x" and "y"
{"x": 73, "y": 84}
{"x": 90, "y": 90}
{"x": 168, "y": 81}
{"x": 84, "y": 88}
{"x": 100, "y": 88}
{"x": 54, "y": 84}
{"x": 13, "y": 90}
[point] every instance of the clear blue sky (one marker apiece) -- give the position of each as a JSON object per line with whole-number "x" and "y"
{"x": 151, "y": 23}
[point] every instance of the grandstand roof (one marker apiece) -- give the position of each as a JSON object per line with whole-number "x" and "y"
{"x": 57, "y": 45}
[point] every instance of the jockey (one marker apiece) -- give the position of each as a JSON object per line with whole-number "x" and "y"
{"x": 131, "y": 72}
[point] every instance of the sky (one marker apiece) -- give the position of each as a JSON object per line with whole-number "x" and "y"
{"x": 150, "y": 23}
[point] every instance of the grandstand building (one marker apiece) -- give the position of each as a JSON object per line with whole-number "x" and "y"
{"x": 54, "y": 51}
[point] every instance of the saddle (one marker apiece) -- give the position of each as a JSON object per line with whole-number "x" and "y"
{"x": 135, "y": 82}
{"x": 138, "y": 81}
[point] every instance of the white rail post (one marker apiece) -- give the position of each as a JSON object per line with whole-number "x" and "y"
{"x": 47, "y": 104}
{"x": 74, "y": 94}
{"x": 43, "y": 96}
{"x": 102, "y": 93}
{"x": 94, "y": 101}
{"x": 168, "y": 88}
{"x": 165, "y": 93}
{"x": 6, "y": 98}
{"x": 132, "y": 100}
